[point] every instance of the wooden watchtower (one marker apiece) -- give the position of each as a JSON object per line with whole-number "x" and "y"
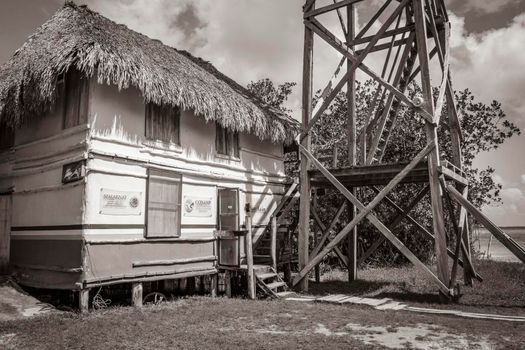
{"x": 410, "y": 33}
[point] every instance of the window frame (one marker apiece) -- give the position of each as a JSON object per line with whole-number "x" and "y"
{"x": 231, "y": 148}
{"x": 172, "y": 175}
{"x": 160, "y": 109}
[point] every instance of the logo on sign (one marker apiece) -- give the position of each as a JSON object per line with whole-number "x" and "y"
{"x": 198, "y": 206}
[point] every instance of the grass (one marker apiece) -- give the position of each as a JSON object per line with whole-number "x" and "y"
{"x": 502, "y": 291}
{"x": 206, "y": 323}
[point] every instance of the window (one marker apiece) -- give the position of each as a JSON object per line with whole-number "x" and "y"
{"x": 164, "y": 200}
{"x": 228, "y": 209}
{"x": 73, "y": 98}
{"x": 162, "y": 123}
{"x": 227, "y": 142}
{"x": 7, "y": 137}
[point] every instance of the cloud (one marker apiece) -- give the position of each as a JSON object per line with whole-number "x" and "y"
{"x": 491, "y": 64}
{"x": 483, "y": 6}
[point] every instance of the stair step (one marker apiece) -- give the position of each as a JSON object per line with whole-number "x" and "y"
{"x": 265, "y": 276}
{"x": 276, "y": 285}
{"x": 261, "y": 256}
{"x": 283, "y": 294}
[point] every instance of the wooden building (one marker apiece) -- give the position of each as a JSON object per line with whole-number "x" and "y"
{"x": 122, "y": 157}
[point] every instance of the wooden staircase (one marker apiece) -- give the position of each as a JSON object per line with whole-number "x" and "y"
{"x": 270, "y": 284}
{"x": 285, "y": 226}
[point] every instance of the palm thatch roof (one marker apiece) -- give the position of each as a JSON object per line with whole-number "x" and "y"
{"x": 77, "y": 36}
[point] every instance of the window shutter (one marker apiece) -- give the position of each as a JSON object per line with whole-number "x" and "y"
{"x": 164, "y": 199}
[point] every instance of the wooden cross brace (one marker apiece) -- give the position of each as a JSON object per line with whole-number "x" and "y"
{"x": 366, "y": 211}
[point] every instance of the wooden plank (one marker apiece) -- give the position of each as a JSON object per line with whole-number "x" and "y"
{"x": 431, "y": 133}
{"x": 136, "y": 294}
{"x": 249, "y": 257}
{"x": 304, "y": 204}
{"x": 366, "y": 212}
{"x": 500, "y": 235}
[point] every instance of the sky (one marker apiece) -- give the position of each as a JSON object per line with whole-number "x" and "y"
{"x": 253, "y": 39}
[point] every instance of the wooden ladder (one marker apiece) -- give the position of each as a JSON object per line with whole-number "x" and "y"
{"x": 388, "y": 122}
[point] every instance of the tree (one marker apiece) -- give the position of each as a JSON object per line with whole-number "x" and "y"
{"x": 485, "y": 128}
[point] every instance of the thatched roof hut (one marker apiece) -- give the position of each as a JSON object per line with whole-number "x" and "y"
{"x": 77, "y": 36}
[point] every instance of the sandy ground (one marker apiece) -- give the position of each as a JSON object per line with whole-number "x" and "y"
{"x": 15, "y": 303}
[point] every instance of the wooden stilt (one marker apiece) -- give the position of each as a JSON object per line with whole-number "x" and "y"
{"x": 317, "y": 272}
{"x": 273, "y": 243}
{"x": 214, "y": 286}
{"x": 351, "y": 243}
{"x": 304, "y": 205}
{"x": 249, "y": 258}
{"x": 136, "y": 294}
{"x": 83, "y": 300}
{"x": 228, "y": 283}
{"x": 190, "y": 285}
{"x": 431, "y": 132}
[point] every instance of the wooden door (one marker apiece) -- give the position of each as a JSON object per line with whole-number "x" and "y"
{"x": 5, "y": 232}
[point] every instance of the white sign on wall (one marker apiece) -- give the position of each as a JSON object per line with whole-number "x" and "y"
{"x": 120, "y": 202}
{"x": 198, "y": 206}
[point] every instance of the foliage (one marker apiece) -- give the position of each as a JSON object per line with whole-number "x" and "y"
{"x": 485, "y": 128}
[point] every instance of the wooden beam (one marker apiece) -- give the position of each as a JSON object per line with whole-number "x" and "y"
{"x": 273, "y": 242}
{"x": 349, "y": 53}
{"x": 337, "y": 250}
{"x": 351, "y": 246}
{"x": 403, "y": 213}
{"x": 326, "y": 232}
{"x": 304, "y": 203}
{"x": 249, "y": 257}
{"x": 366, "y": 212}
{"x": 390, "y": 101}
{"x": 501, "y": 236}
{"x": 325, "y": 34}
{"x": 341, "y": 20}
{"x": 373, "y": 20}
{"x": 431, "y": 133}
{"x": 329, "y": 8}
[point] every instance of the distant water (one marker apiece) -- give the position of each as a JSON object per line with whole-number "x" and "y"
{"x": 492, "y": 248}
